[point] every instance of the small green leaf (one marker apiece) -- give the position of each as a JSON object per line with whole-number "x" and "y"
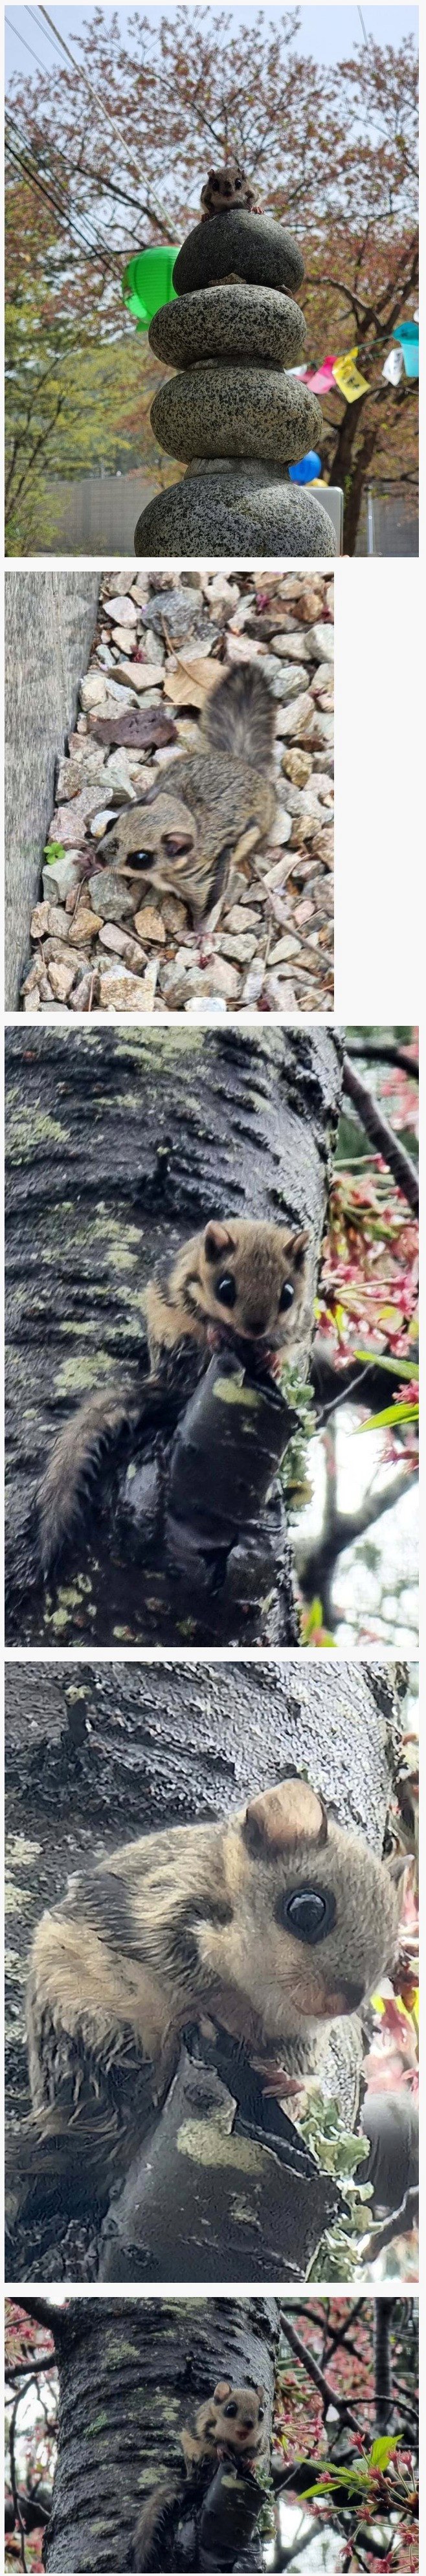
{"x": 382, "y": 2449}
{"x": 397, "y": 1368}
{"x": 392, "y": 1413}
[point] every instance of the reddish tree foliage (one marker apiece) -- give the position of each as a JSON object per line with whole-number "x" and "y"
{"x": 120, "y": 164}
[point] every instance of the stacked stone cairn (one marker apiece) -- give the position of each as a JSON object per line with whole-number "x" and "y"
{"x": 231, "y": 412}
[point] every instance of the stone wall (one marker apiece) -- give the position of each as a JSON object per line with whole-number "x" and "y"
{"x": 50, "y": 618}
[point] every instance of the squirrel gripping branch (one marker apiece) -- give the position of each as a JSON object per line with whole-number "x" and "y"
{"x": 239, "y": 1282}
{"x": 230, "y": 2426}
{"x": 271, "y": 1924}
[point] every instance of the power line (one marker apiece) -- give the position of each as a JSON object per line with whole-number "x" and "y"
{"x": 29, "y": 49}
{"x": 51, "y": 40}
{"x": 111, "y": 188}
{"x": 23, "y": 159}
{"x": 22, "y": 40}
{"x": 58, "y": 45}
{"x": 83, "y": 75}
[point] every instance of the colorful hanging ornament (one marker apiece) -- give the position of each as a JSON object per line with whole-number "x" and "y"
{"x": 348, "y": 378}
{"x": 408, "y": 335}
{"x": 308, "y": 469}
{"x": 147, "y": 282}
{"x": 393, "y": 367}
{"x": 321, "y": 381}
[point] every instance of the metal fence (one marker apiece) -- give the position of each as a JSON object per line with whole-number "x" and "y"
{"x": 389, "y": 521}
{"x": 97, "y": 515}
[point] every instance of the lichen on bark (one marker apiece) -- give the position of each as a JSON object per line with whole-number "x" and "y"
{"x": 105, "y": 1172}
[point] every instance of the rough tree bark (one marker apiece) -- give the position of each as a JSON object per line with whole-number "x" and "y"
{"x": 121, "y": 1144}
{"x": 132, "y": 2372}
{"x": 96, "y": 1754}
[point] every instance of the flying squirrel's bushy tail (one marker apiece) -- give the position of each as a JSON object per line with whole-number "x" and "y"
{"x": 153, "y": 2526}
{"x": 37, "y": 1531}
{"x": 239, "y": 718}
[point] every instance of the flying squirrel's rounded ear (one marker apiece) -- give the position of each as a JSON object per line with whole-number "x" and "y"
{"x": 281, "y": 1818}
{"x": 298, "y": 1246}
{"x": 217, "y": 1238}
{"x": 222, "y": 2390}
{"x": 260, "y": 2392}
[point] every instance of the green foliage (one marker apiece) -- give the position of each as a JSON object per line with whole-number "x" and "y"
{"x": 293, "y": 1471}
{"x": 396, "y": 1368}
{"x": 312, "y": 1622}
{"x": 339, "y": 2153}
{"x": 357, "y": 2475}
{"x": 53, "y": 850}
{"x": 175, "y": 106}
{"x": 75, "y": 403}
{"x": 391, "y": 1413}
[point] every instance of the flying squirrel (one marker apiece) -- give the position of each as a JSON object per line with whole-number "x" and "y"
{"x": 226, "y": 188}
{"x": 242, "y": 1281}
{"x": 270, "y": 1924}
{"x": 230, "y": 2426}
{"x": 212, "y": 805}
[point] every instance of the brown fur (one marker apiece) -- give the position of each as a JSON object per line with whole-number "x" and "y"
{"x": 192, "y": 1922}
{"x": 260, "y": 1259}
{"x": 226, "y": 188}
{"x": 232, "y": 2420}
{"x": 210, "y": 806}
{"x": 182, "y": 1307}
{"x": 230, "y": 2424}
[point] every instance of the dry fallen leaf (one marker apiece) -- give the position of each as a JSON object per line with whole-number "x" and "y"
{"x": 190, "y": 681}
{"x": 138, "y": 729}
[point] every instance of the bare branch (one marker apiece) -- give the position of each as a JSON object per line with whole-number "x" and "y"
{"x": 44, "y": 2315}
{"x": 380, "y": 1051}
{"x": 323, "y": 2385}
{"x": 400, "y": 2223}
{"x": 380, "y": 1135}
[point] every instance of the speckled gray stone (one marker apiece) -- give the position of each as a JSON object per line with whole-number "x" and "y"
{"x": 240, "y": 512}
{"x": 111, "y": 896}
{"x": 246, "y": 411}
{"x": 230, "y": 322}
{"x": 251, "y": 245}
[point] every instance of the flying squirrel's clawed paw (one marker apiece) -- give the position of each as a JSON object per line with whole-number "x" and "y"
{"x": 269, "y": 1926}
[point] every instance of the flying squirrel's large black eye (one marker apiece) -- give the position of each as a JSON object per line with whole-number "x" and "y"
{"x": 287, "y": 1295}
{"x": 309, "y": 1912}
{"x": 232, "y": 2409}
{"x": 226, "y": 1289}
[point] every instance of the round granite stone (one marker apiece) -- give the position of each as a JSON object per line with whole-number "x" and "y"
{"x": 238, "y": 513}
{"x": 251, "y": 246}
{"x": 230, "y": 322}
{"x": 236, "y": 411}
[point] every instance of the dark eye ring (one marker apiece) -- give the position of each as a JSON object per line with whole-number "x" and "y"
{"x": 287, "y": 1295}
{"x": 310, "y": 1913}
{"x": 261, "y": 2411}
{"x": 230, "y": 2410}
{"x": 226, "y": 1289}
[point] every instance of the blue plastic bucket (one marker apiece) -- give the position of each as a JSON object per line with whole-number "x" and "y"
{"x": 408, "y": 335}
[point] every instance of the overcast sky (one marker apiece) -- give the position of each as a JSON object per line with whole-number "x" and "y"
{"x": 327, "y": 33}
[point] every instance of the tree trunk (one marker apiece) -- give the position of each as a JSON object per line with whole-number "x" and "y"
{"x": 120, "y": 1145}
{"x": 50, "y": 619}
{"x": 343, "y": 470}
{"x": 100, "y": 1753}
{"x": 132, "y": 2373}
